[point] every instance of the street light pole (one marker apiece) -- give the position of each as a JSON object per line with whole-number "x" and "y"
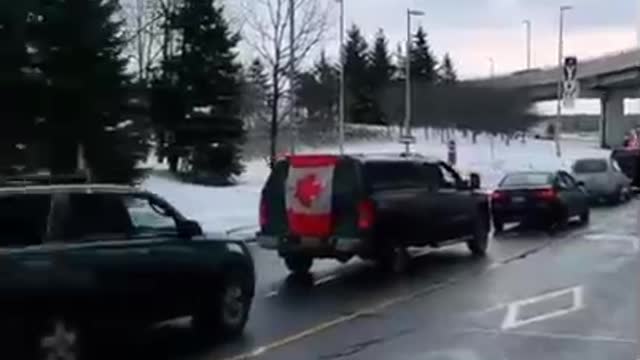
{"x": 292, "y": 73}
{"x": 492, "y": 67}
{"x": 407, "y": 116}
{"x": 558, "y": 122}
{"x": 527, "y": 24}
{"x": 342, "y": 81}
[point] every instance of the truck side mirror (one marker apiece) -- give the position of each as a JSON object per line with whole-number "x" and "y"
{"x": 189, "y": 229}
{"x": 474, "y": 181}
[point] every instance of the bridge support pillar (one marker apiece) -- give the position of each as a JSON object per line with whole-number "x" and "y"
{"x": 613, "y": 125}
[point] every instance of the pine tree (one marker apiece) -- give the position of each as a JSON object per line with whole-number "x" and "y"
{"x": 446, "y": 71}
{"x": 16, "y": 86}
{"x": 79, "y": 47}
{"x": 356, "y": 71}
{"x": 318, "y": 94}
{"x": 423, "y": 62}
{"x": 205, "y": 75}
{"x": 256, "y": 95}
{"x": 381, "y": 72}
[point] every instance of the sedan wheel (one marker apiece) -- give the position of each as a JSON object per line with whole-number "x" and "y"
{"x": 227, "y": 312}
{"x": 59, "y": 341}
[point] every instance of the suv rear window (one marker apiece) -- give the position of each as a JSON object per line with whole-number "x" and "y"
{"x": 590, "y": 166}
{"x": 526, "y": 179}
{"x": 388, "y": 175}
{"x": 23, "y": 219}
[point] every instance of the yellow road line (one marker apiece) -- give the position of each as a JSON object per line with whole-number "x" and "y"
{"x": 332, "y": 323}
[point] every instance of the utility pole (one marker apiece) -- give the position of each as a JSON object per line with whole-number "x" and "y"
{"x": 292, "y": 73}
{"x": 527, "y": 24}
{"x": 407, "y": 116}
{"x": 492, "y": 67}
{"x": 558, "y": 122}
{"x": 342, "y": 81}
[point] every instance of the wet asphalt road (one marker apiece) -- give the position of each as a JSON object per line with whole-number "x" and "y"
{"x": 536, "y": 296}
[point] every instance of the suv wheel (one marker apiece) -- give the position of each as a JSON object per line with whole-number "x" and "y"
{"x": 585, "y": 217}
{"x": 480, "y": 242}
{"x": 298, "y": 264}
{"x": 227, "y": 312}
{"x": 59, "y": 339}
{"x": 395, "y": 259}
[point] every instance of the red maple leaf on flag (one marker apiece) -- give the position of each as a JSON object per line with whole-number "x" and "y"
{"x": 308, "y": 189}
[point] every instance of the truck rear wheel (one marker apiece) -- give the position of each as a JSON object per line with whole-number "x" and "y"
{"x": 298, "y": 264}
{"x": 395, "y": 259}
{"x": 480, "y": 242}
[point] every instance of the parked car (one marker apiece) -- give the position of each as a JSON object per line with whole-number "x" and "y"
{"x": 375, "y": 206}
{"x": 603, "y": 179}
{"x": 629, "y": 162}
{"x": 543, "y": 198}
{"x": 75, "y": 259}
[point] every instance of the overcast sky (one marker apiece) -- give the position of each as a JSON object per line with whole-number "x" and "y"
{"x": 472, "y": 31}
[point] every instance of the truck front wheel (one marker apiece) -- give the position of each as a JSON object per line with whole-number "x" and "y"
{"x": 480, "y": 242}
{"x": 298, "y": 264}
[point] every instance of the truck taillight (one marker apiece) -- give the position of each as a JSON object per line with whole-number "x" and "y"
{"x": 498, "y": 196}
{"x": 366, "y": 214}
{"x": 546, "y": 194}
{"x": 263, "y": 213}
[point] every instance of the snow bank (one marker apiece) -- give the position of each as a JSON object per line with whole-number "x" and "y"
{"x": 235, "y": 208}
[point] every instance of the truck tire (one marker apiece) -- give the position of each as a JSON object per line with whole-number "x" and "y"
{"x": 298, "y": 264}
{"x": 585, "y": 217}
{"x": 394, "y": 259}
{"x": 480, "y": 242}
{"x": 498, "y": 226}
{"x": 225, "y": 313}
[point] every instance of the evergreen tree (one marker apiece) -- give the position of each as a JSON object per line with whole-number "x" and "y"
{"x": 205, "y": 76}
{"x": 16, "y": 87}
{"x": 446, "y": 71}
{"x": 318, "y": 94}
{"x": 356, "y": 75}
{"x": 400, "y": 63}
{"x": 423, "y": 62}
{"x": 381, "y": 72}
{"x": 256, "y": 95}
{"x": 78, "y": 46}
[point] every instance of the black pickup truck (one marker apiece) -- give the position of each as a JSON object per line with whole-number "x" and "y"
{"x": 78, "y": 260}
{"x": 375, "y": 207}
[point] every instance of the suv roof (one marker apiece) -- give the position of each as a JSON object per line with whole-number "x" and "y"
{"x": 373, "y": 157}
{"x": 74, "y": 188}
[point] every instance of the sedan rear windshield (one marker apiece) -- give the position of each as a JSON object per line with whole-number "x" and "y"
{"x": 590, "y": 166}
{"x": 526, "y": 179}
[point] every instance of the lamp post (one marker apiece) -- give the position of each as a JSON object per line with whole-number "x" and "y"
{"x": 527, "y": 24}
{"x": 492, "y": 67}
{"x": 407, "y": 117}
{"x": 342, "y": 82}
{"x": 558, "y": 122}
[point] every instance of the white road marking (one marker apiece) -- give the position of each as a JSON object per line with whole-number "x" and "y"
{"x": 613, "y": 238}
{"x": 511, "y": 320}
{"x": 558, "y": 336}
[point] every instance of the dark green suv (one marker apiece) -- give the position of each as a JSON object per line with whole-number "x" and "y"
{"x": 82, "y": 259}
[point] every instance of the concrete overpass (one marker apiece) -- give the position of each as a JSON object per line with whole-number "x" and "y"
{"x": 610, "y": 78}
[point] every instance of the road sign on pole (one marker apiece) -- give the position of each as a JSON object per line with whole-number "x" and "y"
{"x": 570, "y": 84}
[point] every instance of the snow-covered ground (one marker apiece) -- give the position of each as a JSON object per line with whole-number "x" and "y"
{"x": 235, "y": 208}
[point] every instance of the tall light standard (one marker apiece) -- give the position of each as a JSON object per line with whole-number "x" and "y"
{"x": 558, "y": 123}
{"x": 407, "y": 116}
{"x": 492, "y": 67}
{"x": 292, "y": 72}
{"x": 527, "y": 24}
{"x": 342, "y": 81}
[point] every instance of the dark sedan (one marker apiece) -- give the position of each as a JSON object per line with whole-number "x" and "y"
{"x": 549, "y": 199}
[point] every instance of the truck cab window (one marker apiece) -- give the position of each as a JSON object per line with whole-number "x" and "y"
{"x": 96, "y": 217}
{"x": 149, "y": 218}
{"x": 23, "y": 219}
{"x": 448, "y": 180}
